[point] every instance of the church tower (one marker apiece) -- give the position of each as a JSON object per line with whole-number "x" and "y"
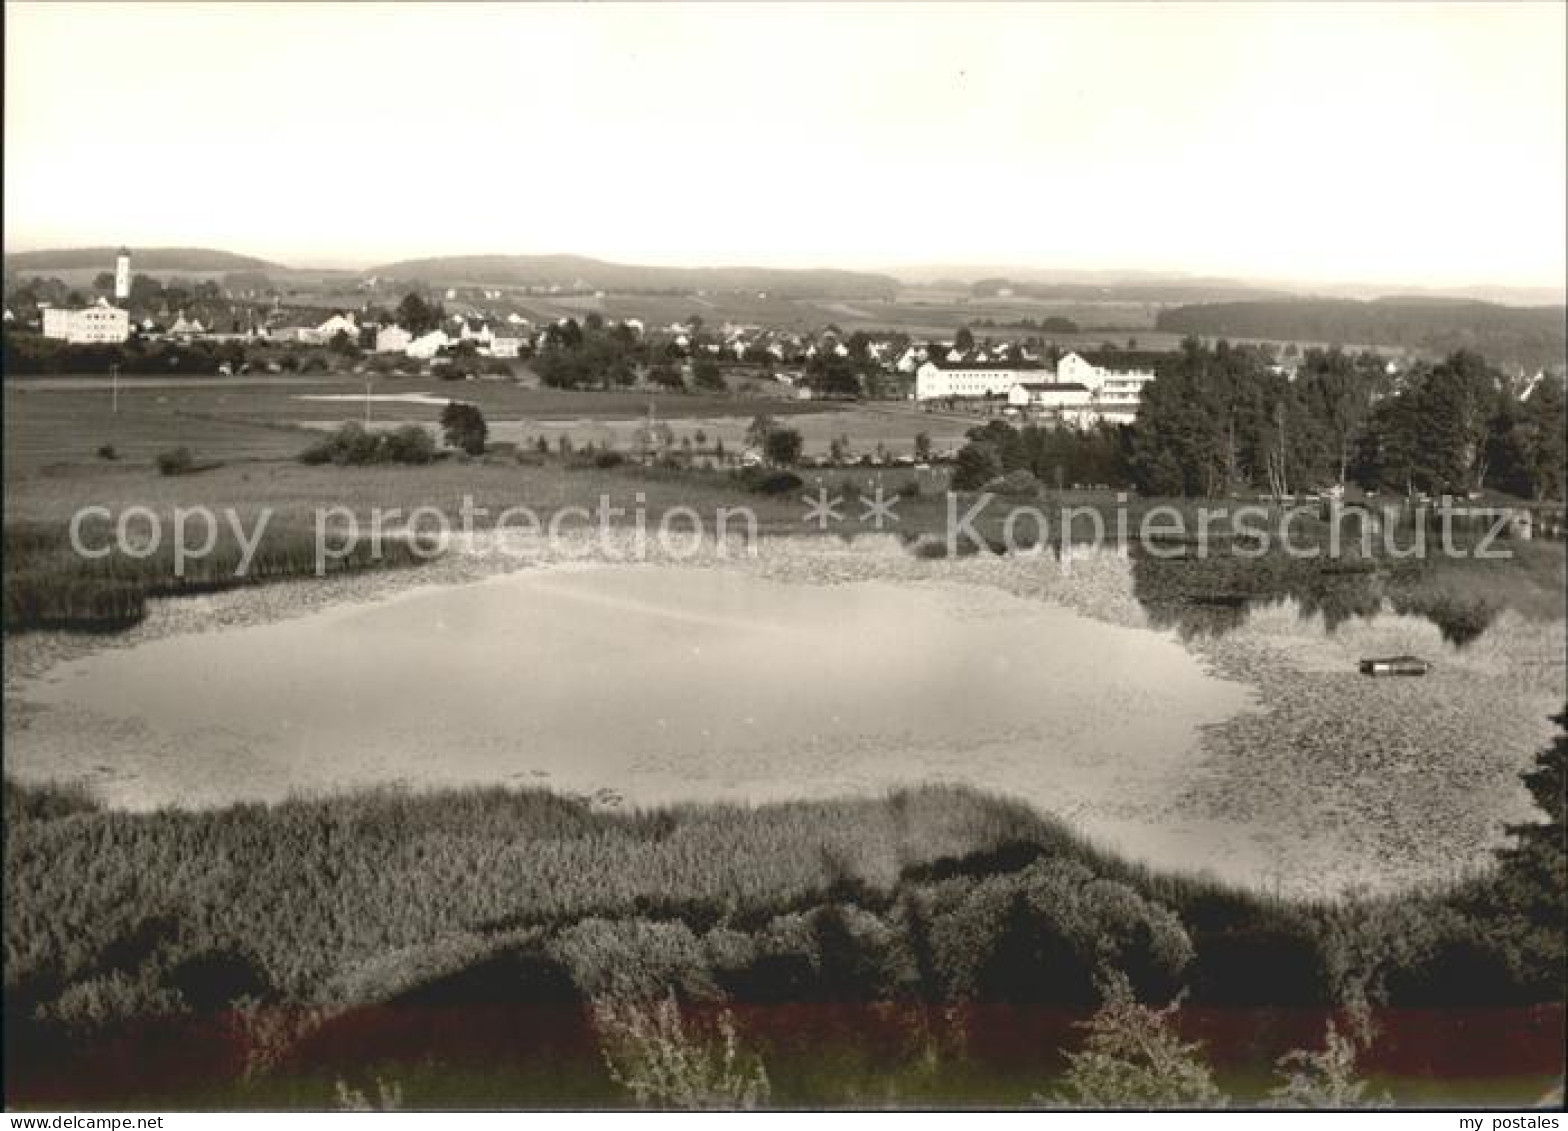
{"x": 122, "y": 275}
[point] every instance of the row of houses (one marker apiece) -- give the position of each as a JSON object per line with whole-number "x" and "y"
{"x": 1074, "y": 390}
{"x": 487, "y": 340}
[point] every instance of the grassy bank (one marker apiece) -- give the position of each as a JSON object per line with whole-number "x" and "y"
{"x": 54, "y": 590}
{"x": 48, "y": 585}
{"x": 939, "y": 943}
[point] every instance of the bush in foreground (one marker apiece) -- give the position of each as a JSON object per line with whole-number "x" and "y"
{"x": 666, "y": 1060}
{"x": 1134, "y": 1058}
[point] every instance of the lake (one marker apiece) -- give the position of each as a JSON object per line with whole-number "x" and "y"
{"x": 1245, "y": 744}
{"x": 640, "y": 685}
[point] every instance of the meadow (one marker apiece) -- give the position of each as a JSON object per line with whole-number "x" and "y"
{"x": 68, "y": 444}
{"x": 58, "y": 421}
{"x": 53, "y": 423}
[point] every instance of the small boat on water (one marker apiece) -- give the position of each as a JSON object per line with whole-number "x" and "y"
{"x": 1396, "y": 665}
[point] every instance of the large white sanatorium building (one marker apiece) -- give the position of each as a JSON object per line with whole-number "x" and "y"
{"x": 99, "y": 322}
{"x": 938, "y": 379}
{"x": 1078, "y": 390}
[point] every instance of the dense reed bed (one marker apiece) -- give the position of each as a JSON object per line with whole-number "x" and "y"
{"x": 48, "y": 585}
{"x": 297, "y": 944}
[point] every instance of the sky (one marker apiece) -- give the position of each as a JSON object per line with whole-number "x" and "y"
{"x": 1418, "y": 143}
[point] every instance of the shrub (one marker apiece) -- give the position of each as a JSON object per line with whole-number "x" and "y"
{"x": 608, "y": 459}
{"x": 110, "y": 999}
{"x": 1323, "y": 1079}
{"x": 635, "y": 959}
{"x": 464, "y": 426}
{"x": 1533, "y": 866}
{"x": 106, "y": 451}
{"x": 1017, "y": 484}
{"x": 1046, "y": 932}
{"x": 175, "y": 461}
{"x": 388, "y": 1096}
{"x": 782, "y": 446}
{"x": 666, "y": 1062}
{"x": 978, "y": 464}
{"x": 1450, "y": 959}
{"x": 408, "y": 444}
{"x": 350, "y": 445}
{"x": 860, "y": 957}
{"x": 1260, "y": 960}
{"x": 783, "y": 964}
{"x": 1135, "y": 1058}
{"x": 775, "y": 483}
{"x": 666, "y": 376}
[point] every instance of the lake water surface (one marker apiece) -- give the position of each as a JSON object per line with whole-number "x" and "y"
{"x": 642, "y": 684}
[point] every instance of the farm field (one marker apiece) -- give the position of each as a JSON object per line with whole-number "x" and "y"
{"x": 62, "y": 426}
{"x": 65, "y": 420}
{"x": 917, "y": 313}
{"x": 52, "y": 422}
{"x": 868, "y": 429}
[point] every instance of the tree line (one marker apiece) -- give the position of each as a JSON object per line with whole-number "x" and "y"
{"x": 1224, "y": 418}
{"x": 1061, "y": 457}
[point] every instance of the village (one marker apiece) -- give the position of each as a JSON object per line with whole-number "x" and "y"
{"x": 459, "y": 329}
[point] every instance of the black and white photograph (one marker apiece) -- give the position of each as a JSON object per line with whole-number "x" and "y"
{"x": 743, "y": 557}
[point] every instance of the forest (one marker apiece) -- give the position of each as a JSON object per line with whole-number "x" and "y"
{"x": 1222, "y": 418}
{"x": 1525, "y": 336}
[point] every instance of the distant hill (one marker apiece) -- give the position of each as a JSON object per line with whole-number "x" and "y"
{"x": 1179, "y": 287}
{"x": 1150, "y": 290}
{"x": 1529, "y": 336}
{"x": 570, "y": 272}
{"x": 142, "y": 259}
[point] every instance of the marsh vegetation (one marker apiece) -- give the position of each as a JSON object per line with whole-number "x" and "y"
{"x": 932, "y": 946}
